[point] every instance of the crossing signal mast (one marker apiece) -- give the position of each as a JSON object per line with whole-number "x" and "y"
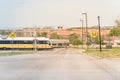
{"x": 35, "y": 36}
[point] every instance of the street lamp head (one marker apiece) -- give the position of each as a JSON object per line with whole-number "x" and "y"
{"x": 84, "y": 13}
{"x": 98, "y": 16}
{"x": 81, "y": 20}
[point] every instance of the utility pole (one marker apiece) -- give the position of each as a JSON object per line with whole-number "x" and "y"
{"x": 86, "y": 29}
{"x": 35, "y": 36}
{"x": 82, "y": 32}
{"x": 99, "y": 33}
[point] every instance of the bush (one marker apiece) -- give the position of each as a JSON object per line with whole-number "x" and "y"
{"x": 88, "y": 43}
{"x": 76, "y": 42}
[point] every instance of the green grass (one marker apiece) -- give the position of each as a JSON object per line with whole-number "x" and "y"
{"x": 106, "y": 53}
{"x": 15, "y": 53}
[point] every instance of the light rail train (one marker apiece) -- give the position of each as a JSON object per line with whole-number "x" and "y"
{"x": 25, "y": 43}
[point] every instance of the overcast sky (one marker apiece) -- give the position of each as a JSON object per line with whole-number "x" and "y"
{"x": 24, "y": 13}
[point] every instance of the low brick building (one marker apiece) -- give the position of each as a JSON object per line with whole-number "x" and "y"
{"x": 28, "y": 32}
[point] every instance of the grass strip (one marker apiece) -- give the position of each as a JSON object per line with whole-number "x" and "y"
{"x": 10, "y": 53}
{"x": 106, "y": 53}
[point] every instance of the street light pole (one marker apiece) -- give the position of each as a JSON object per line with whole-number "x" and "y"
{"x": 86, "y": 29}
{"x": 99, "y": 33}
{"x": 82, "y": 31}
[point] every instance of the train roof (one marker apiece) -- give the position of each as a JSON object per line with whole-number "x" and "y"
{"x": 25, "y": 38}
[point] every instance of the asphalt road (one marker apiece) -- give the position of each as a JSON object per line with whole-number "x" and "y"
{"x": 59, "y": 64}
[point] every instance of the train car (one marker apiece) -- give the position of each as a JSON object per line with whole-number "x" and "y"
{"x": 25, "y": 43}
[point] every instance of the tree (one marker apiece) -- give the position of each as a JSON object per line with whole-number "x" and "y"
{"x": 38, "y": 34}
{"x": 115, "y": 32}
{"x": 88, "y": 43}
{"x": 54, "y": 36}
{"x": 117, "y": 23}
{"x": 97, "y": 40}
{"x": 44, "y": 34}
{"x": 3, "y": 32}
{"x": 73, "y": 37}
{"x": 76, "y": 42}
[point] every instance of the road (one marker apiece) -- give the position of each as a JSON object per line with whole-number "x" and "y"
{"x": 58, "y": 64}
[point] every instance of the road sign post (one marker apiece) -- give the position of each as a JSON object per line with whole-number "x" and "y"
{"x": 12, "y": 35}
{"x": 94, "y": 34}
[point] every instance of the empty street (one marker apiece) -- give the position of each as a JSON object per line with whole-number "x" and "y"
{"x": 58, "y": 64}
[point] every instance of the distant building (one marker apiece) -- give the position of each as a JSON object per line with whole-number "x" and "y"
{"x": 29, "y": 32}
{"x": 19, "y": 33}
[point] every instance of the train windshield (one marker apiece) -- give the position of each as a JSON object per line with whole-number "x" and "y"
{"x": 42, "y": 42}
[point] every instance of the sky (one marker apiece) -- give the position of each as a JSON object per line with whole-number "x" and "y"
{"x": 66, "y": 13}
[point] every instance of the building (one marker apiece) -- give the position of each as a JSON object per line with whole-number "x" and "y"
{"x": 29, "y": 32}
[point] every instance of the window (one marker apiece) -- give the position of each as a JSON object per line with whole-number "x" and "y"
{"x": 42, "y": 42}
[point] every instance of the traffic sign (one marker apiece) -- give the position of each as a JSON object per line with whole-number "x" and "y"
{"x": 12, "y": 35}
{"x": 94, "y": 34}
